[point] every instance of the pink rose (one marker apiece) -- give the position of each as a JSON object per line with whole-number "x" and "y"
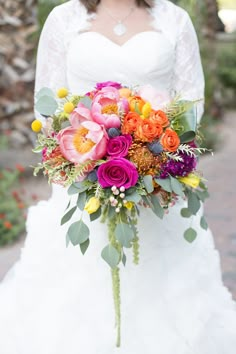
{"x": 117, "y": 172}
{"x": 100, "y": 85}
{"x": 83, "y": 142}
{"x": 119, "y": 146}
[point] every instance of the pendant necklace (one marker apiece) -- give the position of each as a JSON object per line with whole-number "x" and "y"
{"x": 119, "y": 29}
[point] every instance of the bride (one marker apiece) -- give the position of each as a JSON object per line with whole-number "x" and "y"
{"x": 56, "y": 301}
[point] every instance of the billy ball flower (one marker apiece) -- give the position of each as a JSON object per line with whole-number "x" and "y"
{"x": 68, "y": 107}
{"x": 62, "y": 92}
{"x": 117, "y": 172}
{"x": 36, "y": 126}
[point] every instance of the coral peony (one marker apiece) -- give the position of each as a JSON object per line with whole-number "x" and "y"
{"x": 80, "y": 143}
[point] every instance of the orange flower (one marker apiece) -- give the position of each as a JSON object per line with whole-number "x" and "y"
{"x": 131, "y": 121}
{"x": 2, "y": 216}
{"x": 170, "y": 140}
{"x": 21, "y": 205}
{"x": 7, "y": 225}
{"x": 148, "y": 131}
{"x": 160, "y": 117}
{"x": 136, "y": 103}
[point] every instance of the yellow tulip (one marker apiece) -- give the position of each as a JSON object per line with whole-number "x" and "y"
{"x": 36, "y": 126}
{"x": 191, "y": 180}
{"x": 129, "y": 205}
{"x": 92, "y": 205}
{"x": 62, "y": 92}
{"x": 146, "y": 110}
{"x": 68, "y": 107}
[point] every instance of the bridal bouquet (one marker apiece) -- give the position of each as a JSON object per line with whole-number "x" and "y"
{"x": 120, "y": 149}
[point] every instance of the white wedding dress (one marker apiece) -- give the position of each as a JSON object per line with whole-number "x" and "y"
{"x": 56, "y": 301}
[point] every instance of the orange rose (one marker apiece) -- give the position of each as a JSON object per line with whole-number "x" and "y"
{"x": 136, "y": 103}
{"x": 170, "y": 140}
{"x": 160, "y": 117}
{"x": 148, "y": 131}
{"x": 131, "y": 121}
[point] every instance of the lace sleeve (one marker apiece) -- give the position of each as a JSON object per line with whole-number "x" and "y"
{"x": 51, "y": 55}
{"x": 188, "y": 73}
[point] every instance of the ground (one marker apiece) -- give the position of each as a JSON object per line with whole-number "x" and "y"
{"x": 220, "y": 208}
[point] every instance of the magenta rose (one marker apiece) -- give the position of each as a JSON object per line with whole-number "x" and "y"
{"x": 119, "y": 146}
{"x": 100, "y": 85}
{"x": 117, "y": 172}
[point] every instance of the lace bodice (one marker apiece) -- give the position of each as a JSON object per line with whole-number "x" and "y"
{"x": 166, "y": 57}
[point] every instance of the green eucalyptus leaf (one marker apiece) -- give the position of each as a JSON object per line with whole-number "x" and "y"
{"x": 81, "y": 200}
{"x": 202, "y": 195}
{"x": 124, "y": 259}
{"x": 78, "y": 232}
{"x": 96, "y": 215}
{"x": 148, "y": 183}
{"x": 111, "y": 256}
{"x": 156, "y": 206}
{"x": 186, "y": 213}
{"x": 87, "y": 102}
{"x": 45, "y": 91}
{"x": 203, "y": 223}
{"x": 193, "y": 202}
{"x": 84, "y": 246}
{"x": 190, "y": 235}
{"x": 134, "y": 197}
{"x": 164, "y": 183}
{"x": 124, "y": 234}
{"x": 46, "y": 105}
{"x": 177, "y": 187}
{"x": 68, "y": 215}
{"x": 188, "y": 123}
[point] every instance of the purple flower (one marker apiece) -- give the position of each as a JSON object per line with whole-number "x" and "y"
{"x": 179, "y": 168}
{"x": 119, "y": 146}
{"x": 117, "y": 172}
{"x": 100, "y": 85}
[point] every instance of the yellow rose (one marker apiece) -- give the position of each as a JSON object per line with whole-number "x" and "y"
{"x": 68, "y": 107}
{"x": 129, "y": 205}
{"x": 92, "y": 205}
{"x": 191, "y": 180}
{"x": 62, "y": 92}
{"x": 36, "y": 126}
{"x": 146, "y": 110}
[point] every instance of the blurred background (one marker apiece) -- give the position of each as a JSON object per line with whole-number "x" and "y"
{"x": 20, "y": 24}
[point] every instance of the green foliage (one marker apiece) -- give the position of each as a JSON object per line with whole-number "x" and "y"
{"x": 12, "y": 221}
{"x": 227, "y": 65}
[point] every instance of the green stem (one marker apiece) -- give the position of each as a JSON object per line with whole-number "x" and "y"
{"x": 116, "y": 296}
{"x": 136, "y": 250}
{"x": 115, "y": 280}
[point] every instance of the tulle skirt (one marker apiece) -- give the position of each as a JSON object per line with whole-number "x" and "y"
{"x": 56, "y": 301}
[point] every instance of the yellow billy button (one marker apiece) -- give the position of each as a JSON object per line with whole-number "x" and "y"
{"x": 129, "y": 205}
{"x": 92, "y": 205}
{"x": 146, "y": 110}
{"x": 68, "y": 107}
{"x": 62, "y": 92}
{"x": 36, "y": 126}
{"x": 191, "y": 180}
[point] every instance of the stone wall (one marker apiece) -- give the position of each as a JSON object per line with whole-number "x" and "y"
{"x": 18, "y": 42}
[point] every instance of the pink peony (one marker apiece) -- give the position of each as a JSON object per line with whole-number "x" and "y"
{"x": 80, "y": 114}
{"x": 105, "y": 108}
{"x": 83, "y": 142}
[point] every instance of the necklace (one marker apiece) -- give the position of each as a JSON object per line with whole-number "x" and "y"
{"x": 119, "y": 29}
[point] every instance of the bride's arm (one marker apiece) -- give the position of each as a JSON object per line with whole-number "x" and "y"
{"x": 51, "y": 54}
{"x": 188, "y": 74}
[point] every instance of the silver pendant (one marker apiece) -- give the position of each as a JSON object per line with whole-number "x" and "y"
{"x": 119, "y": 29}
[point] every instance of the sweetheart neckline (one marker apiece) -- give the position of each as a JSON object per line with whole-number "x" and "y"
{"x": 135, "y": 36}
